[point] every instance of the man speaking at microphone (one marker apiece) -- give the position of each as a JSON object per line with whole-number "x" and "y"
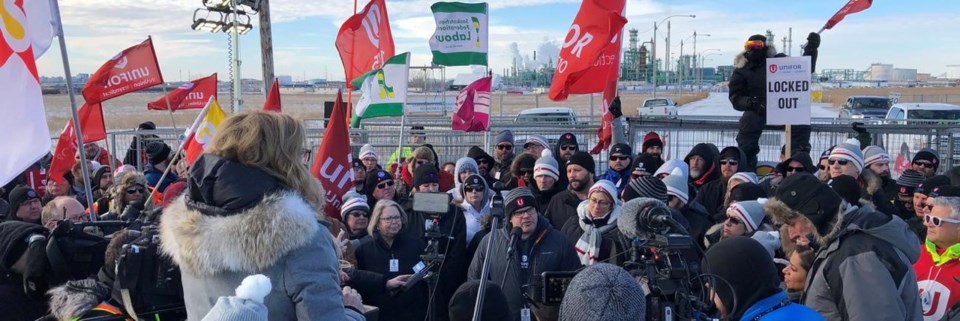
{"x": 526, "y": 247}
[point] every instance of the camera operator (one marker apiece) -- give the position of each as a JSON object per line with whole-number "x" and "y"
{"x": 15, "y": 249}
{"x": 517, "y": 260}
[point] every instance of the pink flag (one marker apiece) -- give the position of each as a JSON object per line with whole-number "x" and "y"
{"x": 473, "y": 107}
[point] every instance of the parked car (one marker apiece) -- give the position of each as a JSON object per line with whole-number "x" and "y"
{"x": 549, "y": 115}
{"x": 658, "y": 107}
{"x": 865, "y": 107}
{"x": 549, "y": 122}
{"x": 933, "y": 112}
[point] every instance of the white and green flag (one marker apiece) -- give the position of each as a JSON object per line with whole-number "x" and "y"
{"x": 461, "y": 35}
{"x": 384, "y": 90}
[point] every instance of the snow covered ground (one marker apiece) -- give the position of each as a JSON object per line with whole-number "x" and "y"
{"x": 718, "y": 104}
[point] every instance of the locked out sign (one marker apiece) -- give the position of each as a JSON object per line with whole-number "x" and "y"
{"x": 788, "y": 91}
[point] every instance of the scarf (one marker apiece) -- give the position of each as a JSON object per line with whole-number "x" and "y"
{"x": 588, "y": 246}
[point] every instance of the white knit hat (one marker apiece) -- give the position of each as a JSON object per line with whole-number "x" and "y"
{"x": 744, "y": 177}
{"x": 668, "y": 167}
{"x": 849, "y": 152}
{"x": 874, "y": 154}
{"x": 537, "y": 139}
{"x": 546, "y": 165}
{"x": 606, "y": 187}
{"x": 677, "y": 185}
{"x": 367, "y": 150}
{"x": 247, "y": 305}
{"x": 749, "y": 212}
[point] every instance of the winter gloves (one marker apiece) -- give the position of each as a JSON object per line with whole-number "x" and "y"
{"x": 813, "y": 43}
{"x": 615, "y": 109}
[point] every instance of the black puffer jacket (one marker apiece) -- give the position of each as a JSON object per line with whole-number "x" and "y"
{"x": 749, "y": 79}
{"x": 561, "y": 208}
{"x": 373, "y": 271}
{"x": 546, "y": 250}
{"x": 454, "y": 245}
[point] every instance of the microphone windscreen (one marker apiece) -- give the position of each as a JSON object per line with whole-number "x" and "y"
{"x": 629, "y": 221}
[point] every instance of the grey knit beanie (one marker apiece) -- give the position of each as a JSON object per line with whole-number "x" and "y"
{"x": 603, "y": 291}
{"x": 505, "y": 136}
{"x": 247, "y": 305}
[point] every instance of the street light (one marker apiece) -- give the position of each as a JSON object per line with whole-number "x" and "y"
{"x": 656, "y": 25}
{"x": 683, "y": 73}
{"x": 700, "y": 72}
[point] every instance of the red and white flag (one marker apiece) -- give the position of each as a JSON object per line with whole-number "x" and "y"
{"x": 191, "y": 95}
{"x": 24, "y": 137}
{"x": 365, "y": 41}
{"x": 586, "y": 52}
{"x": 332, "y": 166}
{"x": 473, "y": 107}
{"x": 133, "y": 69}
{"x": 65, "y": 154}
{"x": 201, "y": 133}
{"x": 851, "y": 7}
{"x": 273, "y": 98}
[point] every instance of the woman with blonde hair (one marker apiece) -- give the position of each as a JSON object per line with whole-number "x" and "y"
{"x": 252, "y": 207}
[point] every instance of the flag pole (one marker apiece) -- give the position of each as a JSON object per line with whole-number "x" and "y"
{"x": 193, "y": 128}
{"x": 353, "y": 41}
{"x": 84, "y": 166}
{"x": 403, "y": 121}
{"x": 169, "y": 107}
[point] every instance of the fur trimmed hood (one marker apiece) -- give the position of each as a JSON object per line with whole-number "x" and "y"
{"x": 741, "y": 59}
{"x": 74, "y": 299}
{"x": 520, "y": 160}
{"x": 250, "y": 241}
{"x": 872, "y": 183}
{"x": 783, "y": 215}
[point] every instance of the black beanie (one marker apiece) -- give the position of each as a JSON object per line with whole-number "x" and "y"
{"x": 946, "y": 190}
{"x": 157, "y": 152}
{"x": 478, "y": 154}
{"x": 18, "y": 196}
{"x": 583, "y": 159}
{"x": 516, "y": 199}
{"x": 804, "y": 193}
{"x": 622, "y": 149}
{"x": 147, "y": 125}
{"x": 748, "y": 270}
{"x": 425, "y": 174}
{"x": 847, "y": 187}
{"x": 567, "y": 139}
{"x": 374, "y": 178}
{"x": 928, "y": 155}
{"x": 648, "y": 162}
{"x": 931, "y": 183}
{"x": 465, "y": 299}
{"x": 730, "y": 152}
{"x": 757, "y": 37}
{"x": 747, "y": 191}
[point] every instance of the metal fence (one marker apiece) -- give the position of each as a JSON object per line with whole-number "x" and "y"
{"x": 680, "y": 135}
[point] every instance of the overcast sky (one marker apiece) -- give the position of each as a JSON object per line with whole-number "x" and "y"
{"x": 919, "y": 34}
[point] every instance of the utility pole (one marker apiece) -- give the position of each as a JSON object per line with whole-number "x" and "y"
{"x": 667, "y": 54}
{"x": 266, "y": 46}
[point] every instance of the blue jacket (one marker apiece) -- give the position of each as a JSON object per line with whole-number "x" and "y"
{"x": 768, "y": 310}
{"x": 621, "y": 178}
{"x": 152, "y": 175}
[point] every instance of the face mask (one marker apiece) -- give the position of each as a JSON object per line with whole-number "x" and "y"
{"x": 756, "y": 55}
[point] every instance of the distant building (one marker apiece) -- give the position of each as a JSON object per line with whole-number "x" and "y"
{"x": 285, "y": 80}
{"x": 724, "y": 72}
{"x": 886, "y": 72}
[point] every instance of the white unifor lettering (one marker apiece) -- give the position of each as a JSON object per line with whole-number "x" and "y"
{"x": 332, "y": 177}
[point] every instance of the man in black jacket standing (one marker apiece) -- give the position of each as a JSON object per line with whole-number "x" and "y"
{"x": 748, "y": 94}
{"x": 515, "y": 262}
{"x": 579, "y": 171}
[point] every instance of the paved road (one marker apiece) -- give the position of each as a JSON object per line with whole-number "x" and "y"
{"x": 717, "y": 104}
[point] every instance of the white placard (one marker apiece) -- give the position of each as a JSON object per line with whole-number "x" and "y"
{"x": 788, "y": 91}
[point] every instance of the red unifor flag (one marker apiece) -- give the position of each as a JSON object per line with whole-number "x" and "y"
{"x": 332, "y": 166}
{"x": 853, "y": 6}
{"x": 273, "y": 98}
{"x": 584, "y": 54}
{"x": 473, "y": 107}
{"x": 190, "y": 95}
{"x": 365, "y": 41}
{"x": 64, "y": 155}
{"x": 132, "y": 69}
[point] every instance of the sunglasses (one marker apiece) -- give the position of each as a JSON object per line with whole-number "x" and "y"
{"x": 734, "y": 220}
{"x": 359, "y": 214}
{"x": 924, "y": 164}
{"x": 131, "y": 190}
{"x": 505, "y": 147}
{"x": 525, "y": 171}
{"x": 842, "y": 162}
{"x": 821, "y": 167}
{"x": 791, "y": 169}
{"x": 618, "y": 158}
{"x": 568, "y": 147}
{"x": 385, "y": 184}
{"x": 936, "y": 221}
{"x": 422, "y": 161}
{"x": 754, "y": 44}
{"x": 483, "y": 161}
{"x": 928, "y": 207}
{"x": 471, "y": 189}
{"x": 729, "y": 162}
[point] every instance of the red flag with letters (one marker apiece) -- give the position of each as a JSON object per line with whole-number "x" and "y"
{"x": 190, "y": 95}
{"x": 132, "y": 69}
{"x": 64, "y": 155}
{"x": 365, "y": 41}
{"x": 473, "y": 107}
{"x": 590, "y": 49}
{"x": 332, "y": 166}
{"x": 851, "y": 7}
{"x": 273, "y": 98}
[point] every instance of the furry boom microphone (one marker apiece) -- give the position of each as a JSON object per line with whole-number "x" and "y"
{"x": 643, "y": 216}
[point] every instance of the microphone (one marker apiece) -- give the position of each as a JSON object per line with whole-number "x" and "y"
{"x": 641, "y": 216}
{"x": 514, "y": 236}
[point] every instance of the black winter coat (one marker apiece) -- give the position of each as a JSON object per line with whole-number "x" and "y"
{"x": 546, "y": 250}
{"x": 453, "y": 245}
{"x": 711, "y": 197}
{"x": 373, "y": 271}
{"x": 561, "y": 208}
{"x": 613, "y": 245}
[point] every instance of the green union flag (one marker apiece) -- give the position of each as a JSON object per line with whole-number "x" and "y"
{"x": 384, "y": 90}
{"x": 461, "y": 35}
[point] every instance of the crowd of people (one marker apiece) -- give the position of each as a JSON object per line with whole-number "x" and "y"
{"x": 839, "y": 239}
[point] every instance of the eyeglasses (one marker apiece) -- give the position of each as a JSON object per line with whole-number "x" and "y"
{"x": 390, "y": 219}
{"x": 618, "y": 158}
{"x": 734, "y": 220}
{"x": 754, "y": 44}
{"x": 729, "y": 162}
{"x": 471, "y": 189}
{"x": 505, "y": 147}
{"x": 842, "y": 162}
{"x": 791, "y": 169}
{"x": 568, "y": 147}
{"x": 385, "y": 184}
{"x": 936, "y": 221}
{"x": 131, "y": 190}
{"x": 599, "y": 202}
{"x": 924, "y": 164}
{"x": 532, "y": 211}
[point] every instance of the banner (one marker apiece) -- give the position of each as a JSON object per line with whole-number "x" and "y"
{"x": 788, "y": 91}
{"x": 473, "y": 107}
{"x": 25, "y": 137}
{"x": 65, "y": 153}
{"x": 191, "y": 95}
{"x": 606, "y": 67}
{"x": 585, "y": 53}
{"x": 384, "y": 90}
{"x": 851, "y": 7}
{"x": 365, "y": 41}
{"x": 461, "y": 35}
{"x": 132, "y": 69}
{"x": 201, "y": 133}
{"x": 273, "y": 98}
{"x": 333, "y": 164}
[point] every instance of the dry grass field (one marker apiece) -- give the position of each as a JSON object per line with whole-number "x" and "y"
{"x": 838, "y": 96}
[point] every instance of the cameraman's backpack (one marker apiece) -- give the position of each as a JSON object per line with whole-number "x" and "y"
{"x": 147, "y": 281}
